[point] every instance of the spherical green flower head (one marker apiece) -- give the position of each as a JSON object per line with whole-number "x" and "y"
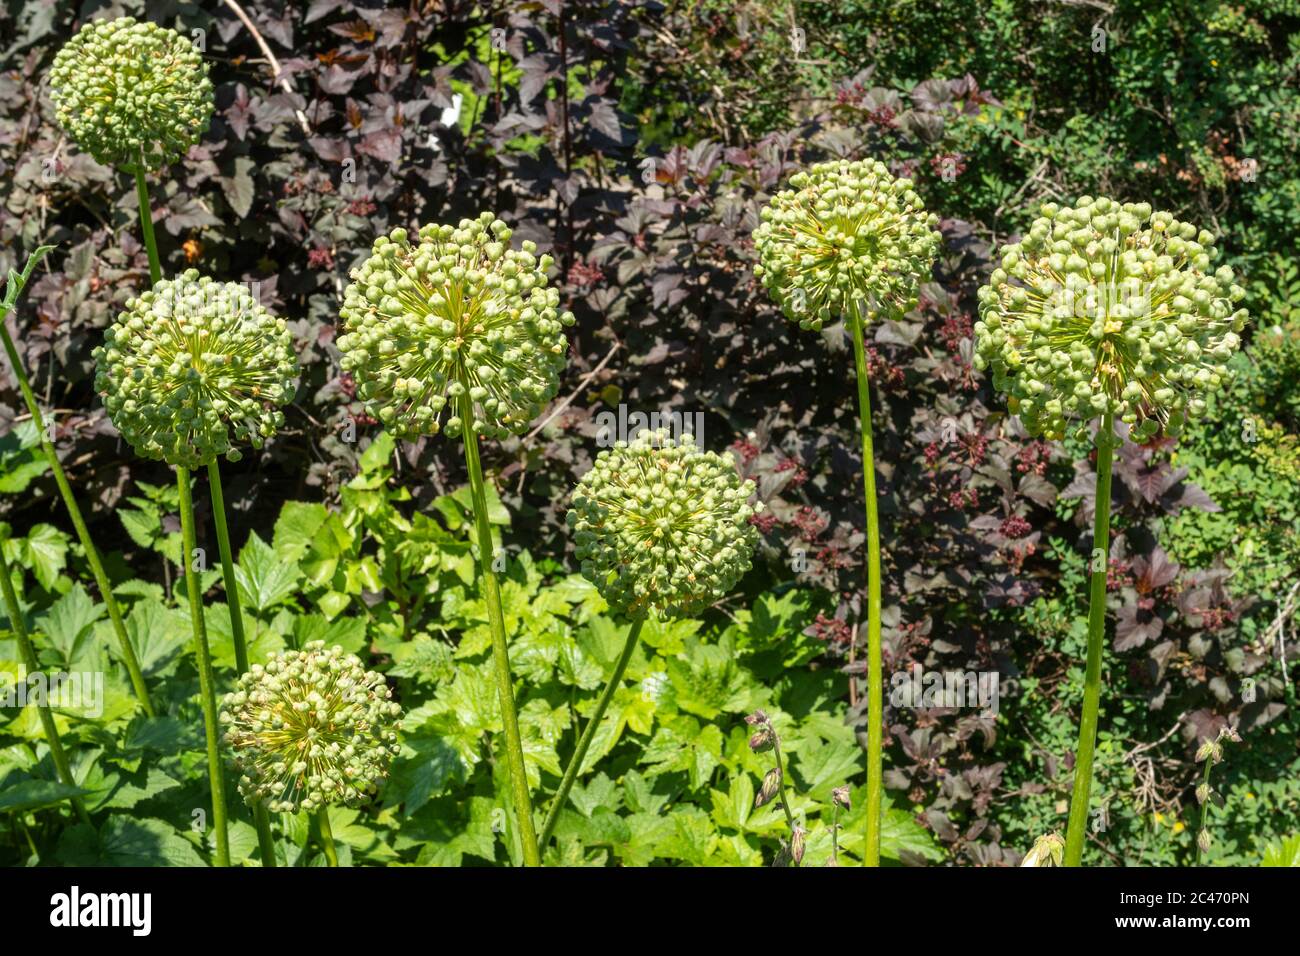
{"x": 132, "y": 94}
{"x": 192, "y": 366}
{"x": 457, "y": 312}
{"x": 310, "y": 729}
{"x": 1104, "y": 307}
{"x": 662, "y": 526}
{"x": 846, "y": 233}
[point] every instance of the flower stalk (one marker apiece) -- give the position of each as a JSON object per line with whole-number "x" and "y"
{"x": 1078, "y": 823}
{"x": 500, "y": 652}
{"x": 875, "y": 679}
{"x": 589, "y": 732}
{"x": 261, "y": 819}
{"x": 203, "y": 657}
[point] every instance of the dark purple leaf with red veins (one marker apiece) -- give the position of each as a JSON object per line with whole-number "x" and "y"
{"x": 239, "y": 113}
{"x": 384, "y": 145}
{"x": 1155, "y": 572}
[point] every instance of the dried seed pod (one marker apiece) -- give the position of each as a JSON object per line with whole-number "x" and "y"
{"x": 1108, "y": 307}
{"x": 131, "y": 93}
{"x": 310, "y": 728}
{"x": 455, "y": 313}
{"x": 769, "y": 788}
{"x": 797, "y": 839}
{"x": 661, "y": 525}
{"x": 843, "y": 233}
{"x": 193, "y": 366}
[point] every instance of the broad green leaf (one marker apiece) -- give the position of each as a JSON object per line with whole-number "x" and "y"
{"x": 125, "y": 841}
{"x": 45, "y": 551}
{"x": 264, "y": 579}
{"x": 29, "y": 795}
{"x": 296, "y": 528}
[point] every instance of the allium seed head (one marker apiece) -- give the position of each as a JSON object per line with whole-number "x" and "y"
{"x": 1104, "y": 307}
{"x": 310, "y": 729}
{"x": 844, "y": 233}
{"x": 661, "y": 525}
{"x": 193, "y": 366}
{"x": 132, "y": 94}
{"x": 455, "y": 313}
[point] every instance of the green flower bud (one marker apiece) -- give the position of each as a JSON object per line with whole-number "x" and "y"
{"x": 1048, "y": 851}
{"x": 457, "y": 313}
{"x": 132, "y": 94}
{"x": 1131, "y": 322}
{"x": 661, "y": 525}
{"x": 845, "y": 233}
{"x": 193, "y": 366}
{"x": 310, "y": 728}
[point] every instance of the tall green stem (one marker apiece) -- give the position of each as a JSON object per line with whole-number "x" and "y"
{"x": 589, "y": 732}
{"x": 32, "y": 665}
{"x": 327, "y": 835}
{"x": 875, "y": 683}
{"x": 146, "y": 227}
{"x": 79, "y": 523}
{"x": 207, "y": 684}
{"x": 500, "y": 655}
{"x": 261, "y": 818}
{"x": 1077, "y": 828}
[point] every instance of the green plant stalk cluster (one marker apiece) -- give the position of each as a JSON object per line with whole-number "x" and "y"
{"x": 500, "y": 653}
{"x": 16, "y": 284}
{"x": 261, "y": 818}
{"x": 203, "y": 658}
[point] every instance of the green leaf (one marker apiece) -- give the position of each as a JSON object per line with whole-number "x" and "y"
{"x": 125, "y": 841}
{"x": 45, "y": 551}
{"x": 69, "y": 622}
{"x": 35, "y": 794}
{"x": 1285, "y": 852}
{"x": 296, "y": 528}
{"x": 825, "y": 766}
{"x": 264, "y": 578}
{"x": 158, "y": 635}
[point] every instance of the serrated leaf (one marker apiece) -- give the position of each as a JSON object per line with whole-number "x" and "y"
{"x": 264, "y": 579}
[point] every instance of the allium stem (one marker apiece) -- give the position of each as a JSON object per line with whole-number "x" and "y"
{"x": 589, "y": 732}
{"x": 500, "y": 654}
{"x": 79, "y": 523}
{"x": 1078, "y": 824}
{"x": 261, "y": 819}
{"x": 228, "y": 567}
{"x": 207, "y": 689}
{"x": 327, "y": 835}
{"x": 32, "y": 666}
{"x": 875, "y": 687}
{"x": 146, "y": 227}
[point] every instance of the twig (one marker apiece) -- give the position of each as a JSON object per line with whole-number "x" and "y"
{"x": 276, "y": 77}
{"x": 568, "y": 401}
